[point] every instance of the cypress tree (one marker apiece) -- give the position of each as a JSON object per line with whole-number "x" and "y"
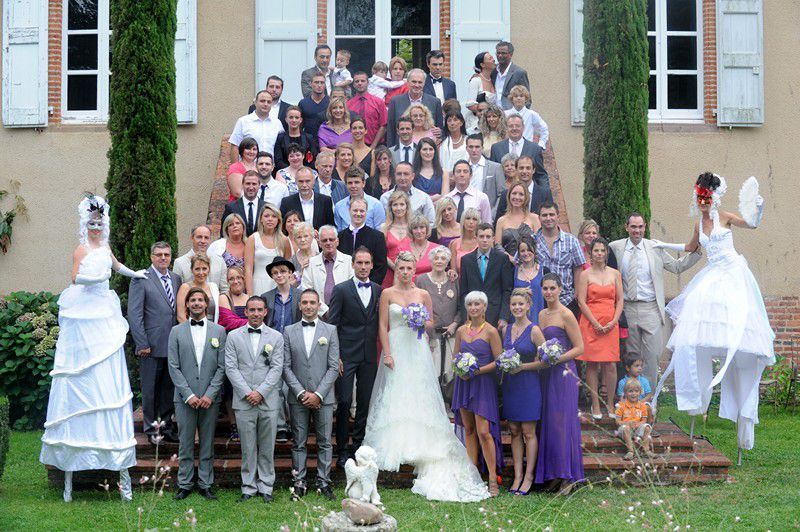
{"x": 143, "y": 126}
{"x": 616, "y": 73}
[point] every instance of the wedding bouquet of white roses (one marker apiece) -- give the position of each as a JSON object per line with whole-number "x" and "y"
{"x": 465, "y": 364}
{"x": 550, "y": 352}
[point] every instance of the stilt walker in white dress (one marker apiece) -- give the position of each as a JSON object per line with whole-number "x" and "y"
{"x": 89, "y": 415}
{"x": 720, "y": 315}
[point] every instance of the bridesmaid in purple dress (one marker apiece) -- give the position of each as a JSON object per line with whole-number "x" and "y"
{"x": 560, "y": 460}
{"x": 475, "y": 399}
{"x": 445, "y": 228}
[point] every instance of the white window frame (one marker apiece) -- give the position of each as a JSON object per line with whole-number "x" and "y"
{"x": 661, "y": 114}
{"x": 383, "y": 29}
{"x": 100, "y": 115}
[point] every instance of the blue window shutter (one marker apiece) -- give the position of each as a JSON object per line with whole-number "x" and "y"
{"x": 186, "y": 62}
{"x": 24, "y": 63}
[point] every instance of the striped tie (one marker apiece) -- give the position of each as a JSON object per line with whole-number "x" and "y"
{"x": 168, "y": 290}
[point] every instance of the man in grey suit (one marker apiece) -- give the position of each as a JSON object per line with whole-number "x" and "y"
{"x": 415, "y": 94}
{"x": 508, "y": 75}
{"x": 642, "y": 266}
{"x": 254, "y": 365}
{"x": 197, "y": 367}
{"x": 322, "y": 60}
{"x": 519, "y": 146}
{"x": 151, "y": 315}
{"x": 487, "y": 175}
{"x": 404, "y": 150}
{"x": 310, "y": 367}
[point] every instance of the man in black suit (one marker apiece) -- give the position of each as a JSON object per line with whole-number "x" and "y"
{"x": 435, "y": 84}
{"x": 359, "y": 234}
{"x": 539, "y": 194}
{"x": 313, "y": 207}
{"x": 279, "y": 107}
{"x": 519, "y": 146}
{"x": 249, "y": 205}
{"x": 354, "y": 312}
{"x": 488, "y": 270}
{"x": 415, "y": 94}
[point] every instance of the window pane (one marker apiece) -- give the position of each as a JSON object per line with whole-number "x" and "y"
{"x": 651, "y": 41}
{"x": 651, "y": 15}
{"x": 82, "y": 15}
{"x": 362, "y": 53}
{"x": 651, "y": 85}
{"x": 355, "y": 17}
{"x": 681, "y": 15}
{"x": 682, "y": 53}
{"x": 412, "y": 50}
{"x": 411, "y": 17}
{"x": 681, "y": 92}
{"x": 82, "y": 93}
{"x": 82, "y": 52}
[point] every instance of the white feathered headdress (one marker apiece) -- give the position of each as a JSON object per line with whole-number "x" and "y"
{"x": 93, "y": 209}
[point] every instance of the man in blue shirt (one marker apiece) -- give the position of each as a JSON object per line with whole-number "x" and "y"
{"x": 355, "y": 181}
{"x": 314, "y": 106}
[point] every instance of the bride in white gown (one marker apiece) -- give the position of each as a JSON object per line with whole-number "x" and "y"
{"x": 89, "y": 417}
{"x": 407, "y": 421}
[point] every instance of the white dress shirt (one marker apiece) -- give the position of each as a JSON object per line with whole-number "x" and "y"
{"x": 474, "y": 198}
{"x": 515, "y": 146}
{"x": 308, "y": 336}
{"x": 532, "y": 122}
{"x": 308, "y": 208}
{"x": 254, "y": 339}
{"x": 420, "y": 202}
{"x": 274, "y": 110}
{"x": 325, "y": 188}
{"x": 365, "y": 293}
{"x": 645, "y": 289}
{"x": 250, "y": 206}
{"x": 273, "y": 192}
{"x": 438, "y": 88}
{"x": 500, "y": 80}
{"x": 199, "y": 340}
{"x": 478, "y": 173}
{"x": 265, "y": 132}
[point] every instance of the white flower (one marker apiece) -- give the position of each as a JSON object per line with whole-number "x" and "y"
{"x": 268, "y": 349}
{"x": 215, "y": 342}
{"x": 322, "y": 341}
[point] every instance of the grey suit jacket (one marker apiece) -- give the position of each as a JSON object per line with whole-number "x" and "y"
{"x": 150, "y": 315}
{"x": 314, "y": 372}
{"x": 186, "y": 376}
{"x": 516, "y": 75}
{"x": 250, "y": 371}
{"x": 305, "y": 80}
{"x": 270, "y": 297}
{"x": 659, "y": 260}
{"x": 398, "y": 106}
{"x": 399, "y": 154}
{"x": 494, "y": 183}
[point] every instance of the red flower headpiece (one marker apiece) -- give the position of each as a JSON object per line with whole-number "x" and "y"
{"x": 703, "y": 192}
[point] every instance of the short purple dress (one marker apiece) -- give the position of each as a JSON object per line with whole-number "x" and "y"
{"x": 522, "y": 395}
{"x": 479, "y": 396}
{"x": 560, "y": 454}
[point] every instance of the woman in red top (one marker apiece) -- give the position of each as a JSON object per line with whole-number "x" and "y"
{"x": 248, "y": 149}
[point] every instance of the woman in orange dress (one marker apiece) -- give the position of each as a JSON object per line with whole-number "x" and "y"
{"x": 396, "y": 231}
{"x": 600, "y": 297}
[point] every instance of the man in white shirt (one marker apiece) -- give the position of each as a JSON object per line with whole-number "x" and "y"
{"x": 487, "y": 175}
{"x": 201, "y": 238}
{"x": 466, "y": 196}
{"x": 420, "y": 201}
{"x": 405, "y": 148}
{"x": 329, "y": 268}
{"x": 325, "y": 183}
{"x": 269, "y": 189}
{"x": 508, "y": 75}
{"x": 258, "y": 125}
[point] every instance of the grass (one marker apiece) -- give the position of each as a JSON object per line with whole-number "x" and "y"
{"x": 764, "y": 494}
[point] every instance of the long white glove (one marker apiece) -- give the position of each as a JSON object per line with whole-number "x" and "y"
{"x": 667, "y": 245}
{"x": 751, "y": 204}
{"x": 87, "y": 280}
{"x": 127, "y": 272}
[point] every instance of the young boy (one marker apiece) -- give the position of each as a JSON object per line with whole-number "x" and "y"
{"x": 378, "y": 84}
{"x": 634, "y": 418}
{"x": 341, "y": 77}
{"x": 634, "y": 366}
{"x": 531, "y": 120}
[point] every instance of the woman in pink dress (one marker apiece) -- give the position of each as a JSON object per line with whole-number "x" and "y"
{"x": 468, "y": 241}
{"x": 248, "y": 149}
{"x": 418, "y": 244}
{"x": 396, "y": 230}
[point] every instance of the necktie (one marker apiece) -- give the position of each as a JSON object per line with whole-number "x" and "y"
{"x": 632, "y": 274}
{"x": 482, "y": 266}
{"x": 250, "y": 217}
{"x": 407, "y": 157}
{"x": 263, "y": 188}
{"x": 363, "y": 285}
{"x": 329, "y": 282}
{"x": 515, "y": 147}
{"x": 307, "y": 323}
{"x": 250, "y": 330}
{"x": 460, "y": 210}
{"x": 196, "y": 322}
{"x": 168, "y": 290}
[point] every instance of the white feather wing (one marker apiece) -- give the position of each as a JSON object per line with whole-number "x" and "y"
{"x": 748, "y": 196}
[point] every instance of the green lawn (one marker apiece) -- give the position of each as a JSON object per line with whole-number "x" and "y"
{"x": 763, "y": 494}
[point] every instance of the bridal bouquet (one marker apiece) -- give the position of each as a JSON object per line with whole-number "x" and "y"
{"x": 550, "y": 352}
{"x": 416, "y": 315}
{"x": 508, "y": 361}
{"x": 465, "y": 364}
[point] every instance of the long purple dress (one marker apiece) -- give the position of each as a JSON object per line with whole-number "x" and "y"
{"x": 560, "y": 455}
{"x": 479, "y": 396}
{"x": 522, "y": 394}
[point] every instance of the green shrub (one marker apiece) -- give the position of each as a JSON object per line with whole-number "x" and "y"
{"x": 5, "y": 433}
{"x": 28, "y": 335}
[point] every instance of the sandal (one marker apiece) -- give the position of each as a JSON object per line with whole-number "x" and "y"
{"x": 494, "y": 489}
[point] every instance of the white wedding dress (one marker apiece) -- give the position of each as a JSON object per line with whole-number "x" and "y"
{"x": 408, "y": 423}
{"x": 720, "y": 316}
{"x": 89, "y": 416}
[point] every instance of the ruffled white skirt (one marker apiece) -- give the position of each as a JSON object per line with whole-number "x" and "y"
{"x": 89, "y": 414}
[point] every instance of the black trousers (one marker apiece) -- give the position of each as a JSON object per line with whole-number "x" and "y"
{"x": 362, "y": 373}
{"x": 157, "y": 394}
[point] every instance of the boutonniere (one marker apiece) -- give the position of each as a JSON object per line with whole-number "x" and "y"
{"x": 215, "y": 342}
{"x": 322, "y": 341}
{"x": 267, "y": 350}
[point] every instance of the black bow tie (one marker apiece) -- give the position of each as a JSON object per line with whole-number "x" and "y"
{"x": 199, "y": 323}
{"x": 250, "y": 330}
{"x": 363, "y": 285}
{"x": 436, "y": 80}
{"x": 307, "y": 323}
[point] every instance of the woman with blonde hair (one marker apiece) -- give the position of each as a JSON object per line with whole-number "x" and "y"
{"x": 517, "y": 221}
{"x": 468, "y": 241}
{"x": 201, "y": 266}
{"x": 445, "y": 227}
{"x": 381, "y": 173}
{"x": 303, "y": 235}
{"x": 493, "y": 128}
{"x": 422, "y": 122}
{"x": 336, "y": 128}
{"x": 263, "y": 246}
{"x": 395, "y": 228}
{"x": 345, "y": 158}
{"x": 230, "y": 248}
{"x": 419, "y": 245}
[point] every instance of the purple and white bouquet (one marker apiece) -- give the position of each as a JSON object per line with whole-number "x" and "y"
{"x": 508, "y": 361}
{"x": 465, "y": 364}
{"x": 550, "y": 352}
{"x": 416, "y": 315}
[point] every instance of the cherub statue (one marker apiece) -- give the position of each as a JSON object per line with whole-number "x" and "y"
{"x": 362, "y": 476}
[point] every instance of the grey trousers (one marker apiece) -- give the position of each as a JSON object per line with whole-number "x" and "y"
{"x": 645, "y": 335}
{"x": 204, "y": 422}
{"x": 323, "y": 425}
{"x": 257, "y": 429}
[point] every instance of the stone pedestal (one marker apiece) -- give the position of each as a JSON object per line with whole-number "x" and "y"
{"x": 339, "y": 522}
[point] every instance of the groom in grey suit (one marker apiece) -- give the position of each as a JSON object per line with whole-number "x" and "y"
{"x": 254, "y": 365}
{"x": 310, "y": 367}
{"x": 197, "y": 367}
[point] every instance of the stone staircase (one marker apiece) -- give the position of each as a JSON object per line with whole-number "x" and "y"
{"x": 679, "y": 460}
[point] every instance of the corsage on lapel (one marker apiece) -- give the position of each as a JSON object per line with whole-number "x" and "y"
{"x": 215, "y": 343}
{"x": 267, "y": 351}
{"x": 322, "y": 341}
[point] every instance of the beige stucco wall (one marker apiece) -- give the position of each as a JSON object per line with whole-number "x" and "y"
{"x": 56, "y": 165}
